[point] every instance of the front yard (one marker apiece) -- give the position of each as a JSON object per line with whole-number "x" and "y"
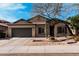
{"x": 26, "y": 46}
{"x": 31, "y": 42}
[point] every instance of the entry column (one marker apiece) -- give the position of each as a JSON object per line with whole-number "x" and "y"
{"x": 33, "y": 32}
{"x": 9, "y": 32}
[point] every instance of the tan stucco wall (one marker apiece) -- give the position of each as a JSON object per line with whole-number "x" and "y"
{"x": 24, "y": 26}
{"x": 47, "y": 30}
{"x": 33, "y": 32}
{"x": 61, "y": 34}
{"x": 9, "y": 32}
{"x": 38, "y": 20}
{"x": 37, "y": 34}
{"x": 35, "y": 29}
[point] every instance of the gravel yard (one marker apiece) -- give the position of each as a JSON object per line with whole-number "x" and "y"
{"x": 28, "y": 42}
{"x": 26, "y": 46}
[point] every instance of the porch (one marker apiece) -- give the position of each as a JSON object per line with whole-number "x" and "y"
{"x": 58, "y": 30}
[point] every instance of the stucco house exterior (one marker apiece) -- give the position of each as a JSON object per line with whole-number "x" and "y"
{"x": 3, "y": 28}
{"x": 37, "y": 26}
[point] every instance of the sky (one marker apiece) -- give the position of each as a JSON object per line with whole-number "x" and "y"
{"x": 15, "y": 11}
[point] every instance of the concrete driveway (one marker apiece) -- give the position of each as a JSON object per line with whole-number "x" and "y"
{"x": 23, "y": 46}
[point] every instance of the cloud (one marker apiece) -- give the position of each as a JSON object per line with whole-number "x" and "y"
{"x": 9, "y": 10}
{"x": 13, "y": 11}
{"x": 13, "y": 6}
{"x": 8, "y": 18}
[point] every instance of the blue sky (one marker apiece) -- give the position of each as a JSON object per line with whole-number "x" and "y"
{"x": 15, "y": 11}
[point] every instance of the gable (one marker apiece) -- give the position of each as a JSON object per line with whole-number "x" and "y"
{"x": 37, "y": 20}
{"x": 21, "y": 21}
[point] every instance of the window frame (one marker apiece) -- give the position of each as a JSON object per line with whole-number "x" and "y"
{"x": 61, "y": 29}
{"x": 41, "y": 30}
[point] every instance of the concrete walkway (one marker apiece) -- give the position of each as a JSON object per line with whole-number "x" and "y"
{"x": 20, "y": 47}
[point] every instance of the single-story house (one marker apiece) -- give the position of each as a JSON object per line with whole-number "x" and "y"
{"x": 3, "y": 28}
{"x": 39, "y": 26}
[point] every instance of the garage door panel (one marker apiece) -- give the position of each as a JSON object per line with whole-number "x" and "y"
{"x": 22, "y": 32}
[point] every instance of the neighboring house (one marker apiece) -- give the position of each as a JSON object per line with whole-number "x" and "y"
{"x": 39, "y": 26}
{"x": 3, "y": 29}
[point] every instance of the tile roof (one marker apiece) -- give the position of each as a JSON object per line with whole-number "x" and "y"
{"x": 47, "y": 19}
{"x": 4, "y": 21}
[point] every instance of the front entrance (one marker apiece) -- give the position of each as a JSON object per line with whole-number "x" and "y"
{"x": 51, "y": 30}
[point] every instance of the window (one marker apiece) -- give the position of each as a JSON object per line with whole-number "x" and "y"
{"x": 61, "y": 30}
{"x": 41, "y": 30}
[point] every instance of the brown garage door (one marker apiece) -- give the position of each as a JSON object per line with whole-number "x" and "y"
{"x": 22, "y": 32}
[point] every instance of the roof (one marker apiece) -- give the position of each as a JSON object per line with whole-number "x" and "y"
{"x": 59, "y": 20}
{"x": 47, "y": 19}
{"x": 30, "y": 19}
{"x": 2, "y": 24}
{"x": 20, "y": 20}
{"x": 38, "y": 16}
{"x": 4, "y": 21}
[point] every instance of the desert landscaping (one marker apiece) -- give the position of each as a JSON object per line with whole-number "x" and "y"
{"x": 46, "y": 29}
{"x": 26, "y": 46}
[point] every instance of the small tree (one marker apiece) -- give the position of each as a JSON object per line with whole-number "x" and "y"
{"x": 74, "y": 20}
{"x": 49, "y": 10}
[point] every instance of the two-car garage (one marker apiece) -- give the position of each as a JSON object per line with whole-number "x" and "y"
{"x": 21, "y": 32}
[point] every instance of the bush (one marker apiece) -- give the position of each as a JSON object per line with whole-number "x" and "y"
{"x": 77, "y": 38}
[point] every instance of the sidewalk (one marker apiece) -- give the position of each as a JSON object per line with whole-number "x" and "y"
{"x": 40, "y": 50}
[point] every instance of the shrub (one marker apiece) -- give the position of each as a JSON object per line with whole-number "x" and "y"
{"x": 76, "y": 38}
